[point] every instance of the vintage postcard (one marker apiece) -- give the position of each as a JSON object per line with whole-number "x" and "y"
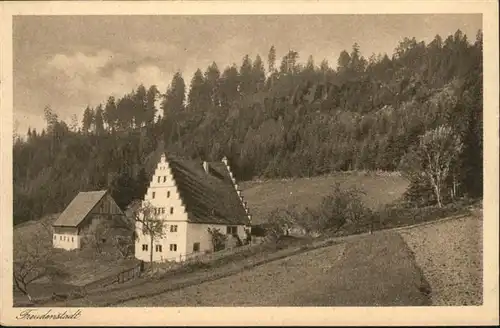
{"x": 249, "y": 163}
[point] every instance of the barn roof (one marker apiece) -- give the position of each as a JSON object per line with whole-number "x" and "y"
{"x": 209, "y": 197}
{"x": 79, "y": 208}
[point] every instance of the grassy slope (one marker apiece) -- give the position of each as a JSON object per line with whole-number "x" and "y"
{"x": 82, "y": 267}
{"x": 366, "y": 271}
{"x": 263, "y": 197}
{"x": 435, "y": 263}
{"x": 377, "y": 264}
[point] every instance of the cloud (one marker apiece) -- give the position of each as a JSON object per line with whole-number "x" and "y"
{"x": 123, "y": 81}
{"x": 87, "y": 79}
{"x": 80, "y": 64}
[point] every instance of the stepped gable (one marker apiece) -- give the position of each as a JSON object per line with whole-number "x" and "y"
{"x": 208, "y": 198}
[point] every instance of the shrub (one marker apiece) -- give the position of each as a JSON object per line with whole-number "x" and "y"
{"x": 341, "y": 207}
{"x": 337, "y": 209}
{"x": 218, "y": 239}
{"x": 197, "y": 264}
{"x": 396, "y": 216}
{"x": 280, "y": 220}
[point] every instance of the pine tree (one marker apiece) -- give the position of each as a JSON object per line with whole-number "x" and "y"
{"x": 343, "y": 62}
{"x": 246, "y": 76}
{"x": 271, "y": 60}
{"x": 229, "y": 86}
{"x": 258, "y": 74}
{"x": 196, "y": 95}
{"x": 174, "y": 99}
{"x": 98, "y": 120}
{"x": 150, "y": 106}
{"x": 139, "y": 106}
{"x": 110, "y": 114}
{"x": 88, "y": 119}
{"x": 211, "y": 80}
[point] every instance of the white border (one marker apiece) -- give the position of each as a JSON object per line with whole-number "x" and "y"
{"x": 486, "y": 314}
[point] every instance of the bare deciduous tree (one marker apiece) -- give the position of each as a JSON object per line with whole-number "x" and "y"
{"x": 438, "y": 149}
{"x": 124, "y": 245}
{"x": 32, "y": 261}
{"x": 151, "y": 222}
{"x": 218, "y": 239}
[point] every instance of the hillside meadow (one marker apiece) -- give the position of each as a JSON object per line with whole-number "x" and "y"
{"x": 380, "y": 188}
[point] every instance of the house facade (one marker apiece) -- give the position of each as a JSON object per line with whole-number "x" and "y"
{"x": 189, "y": 197}
{"x": 83, "y": 214}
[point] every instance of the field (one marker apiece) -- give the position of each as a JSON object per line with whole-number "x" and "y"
{"x": 264, "y": 196}
{"x": 388, "y": 268}
{"x": 368, "y": 271}
{"x": 450, "y": 255}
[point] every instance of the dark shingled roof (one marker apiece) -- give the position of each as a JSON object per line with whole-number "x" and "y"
{"x": 209, "y": 198}
{"x": 79, "y": 208}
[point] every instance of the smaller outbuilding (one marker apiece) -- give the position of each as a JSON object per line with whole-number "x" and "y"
{"x": 85, "y": 212}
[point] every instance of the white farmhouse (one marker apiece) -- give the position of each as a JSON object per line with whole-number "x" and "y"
{"x": 85, "y": 211}
{"x": 190, "y": 197}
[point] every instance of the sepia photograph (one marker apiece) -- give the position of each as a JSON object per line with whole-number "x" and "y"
{"x": 247, "y": 160}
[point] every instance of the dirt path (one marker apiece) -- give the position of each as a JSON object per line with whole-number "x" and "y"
{"x": 450, "y": 255}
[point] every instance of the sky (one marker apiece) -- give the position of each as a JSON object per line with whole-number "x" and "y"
{"x": 69, "y": 62}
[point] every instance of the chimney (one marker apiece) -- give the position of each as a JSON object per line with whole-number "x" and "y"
{"x": 205, "y": 166}
{"x": 163, "y": 158}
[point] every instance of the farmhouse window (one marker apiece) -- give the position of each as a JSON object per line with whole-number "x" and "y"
{"x": 164, "y": 179}
{"x": 168, "y": 194}
{"x": 163, "y": 210}
{"x": 171, "y": 210}
{"x": 55, "y": 237}
{"x": 173, "y": 228}
{"x": 231, "y": 230}
{"x": 158, "y": 248}
{"x": 72, "y": 239}
{"x": 144, "y": 247}
{"x": 60, "y": 237}
{"x": 159, "y": 179}
{"x": 153, "y": 195}
{"x": 173, "y": 247}
{"x": 196, "y": 247}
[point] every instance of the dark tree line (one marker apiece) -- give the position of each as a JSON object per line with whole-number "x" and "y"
{"x": 272, "y": 119}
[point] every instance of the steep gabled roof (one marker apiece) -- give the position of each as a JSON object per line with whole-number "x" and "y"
{"x": 208, "y": 197}
{"x": 219, "y": 170}
{"x": 79, "y": 208}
